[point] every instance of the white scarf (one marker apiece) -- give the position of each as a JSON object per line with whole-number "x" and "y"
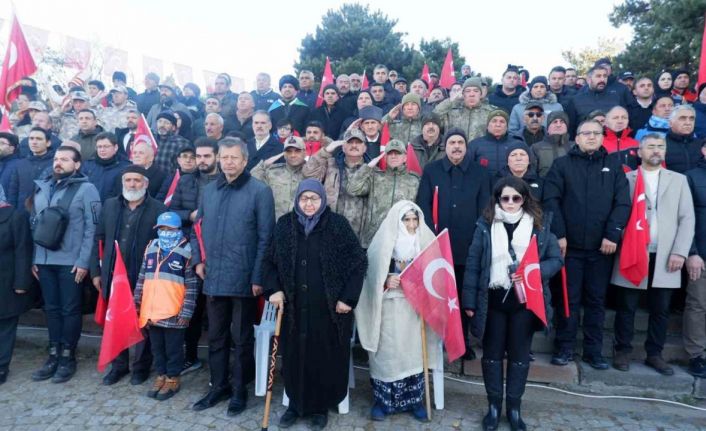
{"x": 407, "y": 244}
{"x": 501, "y": 259}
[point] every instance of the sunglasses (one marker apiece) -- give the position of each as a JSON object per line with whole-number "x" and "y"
{"x": 515, "y": 199}
{"x": 534, "y": 114}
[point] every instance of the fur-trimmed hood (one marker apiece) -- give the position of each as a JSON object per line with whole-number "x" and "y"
{"x": 547, "y": 99}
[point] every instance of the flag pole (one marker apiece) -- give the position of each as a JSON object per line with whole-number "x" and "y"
{"x": 425, "y": 364}
{"x": 271, "y": 377}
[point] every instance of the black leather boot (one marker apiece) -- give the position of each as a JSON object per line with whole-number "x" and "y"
{"x": 67, "y": 366}
{"x": 493, "y": 379}
{"x": 516, "y": 381}
{"x": 49, "y": 368}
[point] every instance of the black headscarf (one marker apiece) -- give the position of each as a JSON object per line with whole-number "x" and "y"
{"x": 659, "y": 92}
{"x": 309, "y": 185}
{"x": 185, "y": 129}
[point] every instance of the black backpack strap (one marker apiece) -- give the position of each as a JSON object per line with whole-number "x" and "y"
{"x": 68, "y": 196}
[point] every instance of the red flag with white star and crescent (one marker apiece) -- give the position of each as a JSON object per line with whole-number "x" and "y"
{"x": 429, "y": 283}
{"x": 634, "y": 260}
{"x": 532, "y": 286}
{"x": 18, "y": 63}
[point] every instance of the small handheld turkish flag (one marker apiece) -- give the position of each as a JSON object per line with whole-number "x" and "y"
{"x": 365, "y": 85}
{"x": 172, "y": 188}
{"x": 143, "y": 134}
{"x": 448, "y": 76}
{"x": 412, "y": 161}
{"x": 429, "y": 283}
{"x": 326, "y": 79}
{"x": 426, "y": 76}
{"x": 121, "y": 327}
{"x": 634, "y": 260}
{"x": 384, "y": 139}
{"x": 532, "y": 286}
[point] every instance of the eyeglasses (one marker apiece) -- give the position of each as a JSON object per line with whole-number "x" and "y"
{"x": 588, "y": 133}
{"x": 311, "y": 200}
{"x": 534, "y": 114}
{"x": 516, "y": 199}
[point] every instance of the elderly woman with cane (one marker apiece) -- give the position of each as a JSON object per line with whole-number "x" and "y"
{"x": 314, "y": 268}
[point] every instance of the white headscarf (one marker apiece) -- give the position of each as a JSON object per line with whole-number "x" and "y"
{"x": 407, "y": 244}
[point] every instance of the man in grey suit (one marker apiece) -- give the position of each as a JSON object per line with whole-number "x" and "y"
{"x": 670, "y": 216}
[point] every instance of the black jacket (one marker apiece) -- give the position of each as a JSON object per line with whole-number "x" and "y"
{"x": 234, "y": 125}
{"x": 271, "y": 148}
{"x": 107, "y": 232}
{"x": 502, "y": 100}
{"x": 331, "y": 119}
{"x": 697, "y": 183}
{"x": 586, "y": 101}
{"x": 15, "y": 260}
{"x": 533, "y": 180}
{"x": 477, "y": 276}
{"x": 156, "y": 179}
{"x": 564, "y": 95}
{"x": 342, "y": 264}
{"x": 683, "y": 152}
{"x": 491, "y": 152}
{"x": 639, "y": 116}
{"x": 22, "y": 179}
{"x": 146, "y": 100}
{"x": 295, "y": 111}
{"x": 186, "y": 197}
{"x": 106, "y": 175}
{"x": 464, "y": 191}
{"x": 589, "y": 196}
{"x": 24, "y": 145}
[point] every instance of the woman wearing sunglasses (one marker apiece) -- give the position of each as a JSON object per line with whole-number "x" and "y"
{"x": 499, "y": 319}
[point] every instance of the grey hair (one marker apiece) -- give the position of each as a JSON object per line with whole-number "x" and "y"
{"x": 652, "y": 136}
{"x": 685, "y": 107}
{"x": 219, "y": 119}
{"x": 231, "y": 142}
{"x": 307, "y": 72}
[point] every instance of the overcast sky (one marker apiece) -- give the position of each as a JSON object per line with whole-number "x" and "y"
{"x": 244, "y": 38}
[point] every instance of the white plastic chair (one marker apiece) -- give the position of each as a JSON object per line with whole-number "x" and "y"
{"x": 263, "y": 333}
{"x": 343, "y": 406}
{"x": 438, "y": 375}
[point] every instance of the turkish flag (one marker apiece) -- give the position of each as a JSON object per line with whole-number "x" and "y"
{"x": 365, "y": 84}
{"x": 172, "y": 188}
{"x": 199, "y": 238}
{"x": 143, "y": 134}
{"x": 412, "y": 161}
{"x": 426, "y": 77}
{"x": 326, "y": 79}
{"x": 5, "y": 122}
{"x": 702, "y": 62}
{"x": 18, "y": 63}
{"x": 429, "y": 283}
{"x": 448, "y": 76}
{"x": 121, "y": 328}
{"x": 531, "y": 284}
{"x": 384, "y": 139}
{"x": 634, "y": 260}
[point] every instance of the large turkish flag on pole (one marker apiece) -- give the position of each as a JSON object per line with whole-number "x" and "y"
{"x": 18, "y": 63}
{"x": 532, "y": 286}
{"x": 121, "y": 327}
{"x": 429, "y": 283}
{"x": 448, "y": 76}
{"x": 634, "y": 261}
{"x": 326, "y": 79}
{"x": 702, "y": 61}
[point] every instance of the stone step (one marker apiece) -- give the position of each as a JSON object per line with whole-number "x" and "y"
{"x": 673, "y": 347}
{"x": 641, "y": 320}
{"x": 640, "y": 377}
{"x": 541, "y": 371}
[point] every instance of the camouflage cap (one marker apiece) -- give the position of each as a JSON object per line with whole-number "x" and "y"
{"x": 294, "y": 142}
{"x": 119, "y": 89}
{"x": 395, "y": 145}
{"x": 80, "y": 95}
{"x": 354, "y": 134}
{"x": 37, "y": 106}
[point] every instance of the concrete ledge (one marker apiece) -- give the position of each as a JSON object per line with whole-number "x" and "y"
{"x": 640, "y": 377}
{"x": 700, "y": 388}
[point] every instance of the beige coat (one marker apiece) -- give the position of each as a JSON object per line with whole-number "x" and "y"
{"x": 676, "y": 220}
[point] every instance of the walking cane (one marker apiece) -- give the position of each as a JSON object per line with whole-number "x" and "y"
{"x": 271, "y": 375}
{"x": 425, "y": 363}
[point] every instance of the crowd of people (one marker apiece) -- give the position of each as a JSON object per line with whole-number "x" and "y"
{"x": 312, "y": 208}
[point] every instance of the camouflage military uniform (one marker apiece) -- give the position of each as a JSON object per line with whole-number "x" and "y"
{"x": 283, "y": 179}
{"x": 405, "y": 129}
{"x": 65, "y": 123}
{"x": 473, "y": 121}
{"x": 383, "y": 189}
{"x": 114, "y": 118}
{"x": 334, "y": 173}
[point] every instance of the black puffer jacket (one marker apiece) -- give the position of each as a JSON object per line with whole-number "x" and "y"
{"x": 491, "y": 152}
{"x": 683, "y": 152}
{"x": 15, "y": 261}
{"x": 697, "y": 184}
{"x": 589, "y": 196}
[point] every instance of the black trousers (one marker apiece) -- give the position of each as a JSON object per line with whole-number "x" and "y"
{"x": 8, "y": 335}
{"x": 168, "y": 350}
{"x": 231, "y": 320}
{"x": 588, "y": 275}
{"x": 62, "y": 304}
{"x": 658, "y": 300}
{"x": 192, "y": 335}
{"x": 142, "y": 359}
{"x": 508, "y": 328}
{"x": 459, "y": 271}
